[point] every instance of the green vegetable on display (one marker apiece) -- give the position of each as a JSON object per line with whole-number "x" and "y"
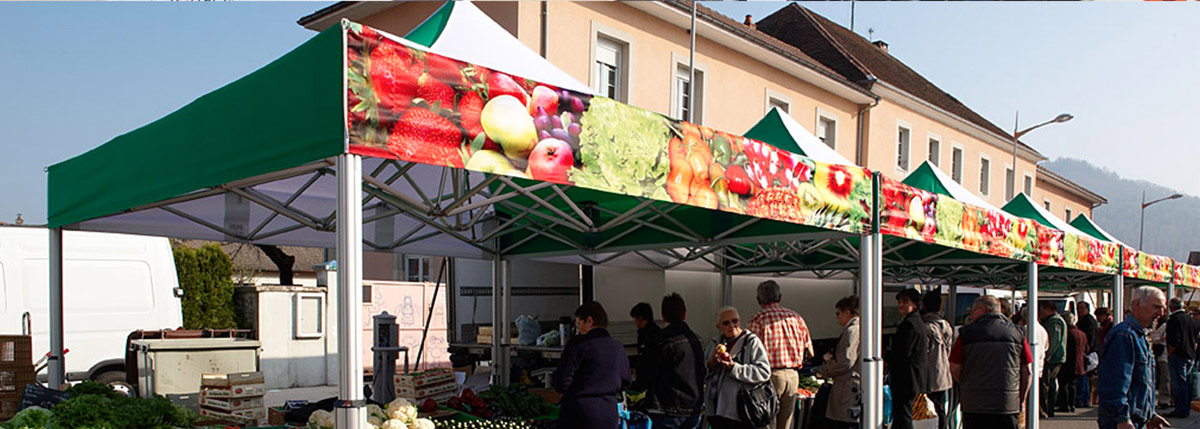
{"x": 95, "y": 405}
{"x": 623, "y": 150}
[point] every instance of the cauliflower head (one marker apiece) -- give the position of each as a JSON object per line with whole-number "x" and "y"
{"x": 321, "y": 419}
{"x": 376, "y": 411}
{"x": 421, "y": 424}
{"x": 375, "y": 421}
{"x": 401, "y": 409}
{"x": 393, "y": 424}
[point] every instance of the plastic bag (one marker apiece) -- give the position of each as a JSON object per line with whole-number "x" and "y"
{"x": 528, "y": 330}
{"x": 924, "y": 413}
{"x": 549, "y": 339}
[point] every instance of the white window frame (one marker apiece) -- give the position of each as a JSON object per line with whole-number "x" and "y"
{"x": 1067, "y": 211}
{"x": 1010, "y": 192}
{"x": 423, "y": 262}
{"x": 985, "y": 176}
{"x": 962, "y": 160}
{"x": 679, "y": 61}
{"x": 770, "y": 94}
{"x": 625, "y": 68}
{"x": 936, "y": 158}
{"x": 905, "y": 147}
{"x": 1028, "y": 190}
{"x": 823, "y": 114}
{"x": 297, "y": 313}
{"x": 1046, "y": 203}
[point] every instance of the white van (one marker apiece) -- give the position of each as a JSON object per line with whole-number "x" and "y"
{"x": 113, "y": 284}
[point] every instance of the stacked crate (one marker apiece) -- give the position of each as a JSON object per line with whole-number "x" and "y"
{"x": 235, "y": 396}
{"x": 16, "y": 370}
{"x": 437, "y": 384}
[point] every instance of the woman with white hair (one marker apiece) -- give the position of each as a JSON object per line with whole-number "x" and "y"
{"x": 736, "y": 358}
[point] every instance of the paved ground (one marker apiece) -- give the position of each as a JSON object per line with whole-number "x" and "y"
{"x": 1086, "y": 418}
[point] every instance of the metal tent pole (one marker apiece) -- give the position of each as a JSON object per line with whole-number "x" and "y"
{"x": 56, "y": 363}
{"x": 1170, "y": 290}
{"x": 1031, "y": 410}
{"x": 1118, "y": 298}
{"x": 351, "y": 406}
{"x": 869, "y": 332}
{"x": 877, "y": 309}
{"x": 500, "y": 331}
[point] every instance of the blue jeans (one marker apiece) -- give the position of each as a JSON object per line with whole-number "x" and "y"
{"x": 663, "y": 421}
{"x": 1181, "y": 393}
{"x": 1083, "y": 396}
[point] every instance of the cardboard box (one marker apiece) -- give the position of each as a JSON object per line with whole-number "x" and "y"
{"x": 440, "y": 398}
{"x": 240, "y": 391}
{"x": 254, "y": 417}
{"x": 231, "y": 379}
{"x": 487, "y": 339}
{"x": 424, "y": 378}
{"x": 232, "y": 404}
{"x": 427, "y": 390}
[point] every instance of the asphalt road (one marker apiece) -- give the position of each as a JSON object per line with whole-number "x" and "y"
{"x": 1086, "y": 418}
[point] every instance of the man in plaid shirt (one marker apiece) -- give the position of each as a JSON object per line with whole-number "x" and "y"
{"x": 785, "y": 335}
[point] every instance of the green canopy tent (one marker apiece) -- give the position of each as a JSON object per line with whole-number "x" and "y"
{"x": 280, "y": 156}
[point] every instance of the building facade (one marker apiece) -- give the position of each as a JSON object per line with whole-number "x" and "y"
{"x": 851, "y": 93}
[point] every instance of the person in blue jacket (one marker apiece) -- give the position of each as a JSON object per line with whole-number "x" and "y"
{"x": 594, "y": 369}
{"x": 1126, "y": 373}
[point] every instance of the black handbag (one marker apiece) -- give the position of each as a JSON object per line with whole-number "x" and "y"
{"x": 757, "y": 404}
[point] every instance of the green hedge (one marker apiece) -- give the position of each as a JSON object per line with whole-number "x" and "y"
{"x": 206, "y": 276}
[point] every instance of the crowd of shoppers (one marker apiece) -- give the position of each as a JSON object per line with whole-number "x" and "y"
{"x": 983, "y": 370}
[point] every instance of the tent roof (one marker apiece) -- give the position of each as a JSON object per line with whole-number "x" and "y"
{"x": 932, "y": 179}
{"x": 1089, "y": 227}
{"x": 1024, "y": 207}
{"x": 780, "y": 130}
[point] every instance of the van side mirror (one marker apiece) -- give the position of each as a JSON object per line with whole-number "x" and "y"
{"x": 177, "y": 291}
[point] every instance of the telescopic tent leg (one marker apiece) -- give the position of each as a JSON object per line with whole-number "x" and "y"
{"x": 351, "y": 406}
{"x": 56, "y": 363}
{"x": 1118, "y": 298}
{"x": 869, "y": 321}
{"x": 500, "y": 329}
{"x": 952, "y": 303}
{"x": 1031, "y": 321}
{"x": 1170, "y": 290}
{"x": 877, "y": 309}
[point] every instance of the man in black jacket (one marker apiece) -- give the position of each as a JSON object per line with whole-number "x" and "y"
{"x": 647, "y": 335}
{"x": 1181, "y": 349}
{"x": 676, "y": 383}
{"x": 908, "y": 359}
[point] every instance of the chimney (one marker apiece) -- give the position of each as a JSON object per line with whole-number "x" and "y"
{"x": 881, "y": 45}
{"x": 750, "y": 22}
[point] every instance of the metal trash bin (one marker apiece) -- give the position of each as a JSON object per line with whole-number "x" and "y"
{"x": 173, "y": 366}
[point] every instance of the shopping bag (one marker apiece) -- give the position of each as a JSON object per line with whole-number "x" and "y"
{"x": 632, "y": 419}
{"x": 923, "y": 412}
{"x": 887, "y": 405}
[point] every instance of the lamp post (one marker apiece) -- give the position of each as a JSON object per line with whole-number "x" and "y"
{"x": 1142, "y": 221}
{"x": 1064, "y": 117}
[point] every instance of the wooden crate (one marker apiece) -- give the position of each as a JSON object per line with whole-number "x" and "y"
{"x": 16, "y": 350}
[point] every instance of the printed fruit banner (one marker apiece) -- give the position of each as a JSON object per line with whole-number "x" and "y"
{"x": 412, "y": 105}
{"x": 1187, "y": 275}
{"x": 921, "y": 215}
{"x": 1154, "y": 268}
{"x": 1129, "y": 262}
{"x": 1089, "y": 254}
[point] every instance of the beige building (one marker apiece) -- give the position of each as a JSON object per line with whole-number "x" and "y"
{"x": 851, "y": 93}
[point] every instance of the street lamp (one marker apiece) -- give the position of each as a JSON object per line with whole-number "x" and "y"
{"x": 1064, "y": 117}
{"x": 1142, "y": 221}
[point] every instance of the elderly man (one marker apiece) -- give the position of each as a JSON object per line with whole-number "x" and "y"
{"x": 1126, "y": 373}
{"x": 991, "y": 361}
{"x": 786, "y": 336}
{"x": 1181, "y": 350}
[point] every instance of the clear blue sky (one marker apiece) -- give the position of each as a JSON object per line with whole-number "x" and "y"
{"x": 74, "y": 75}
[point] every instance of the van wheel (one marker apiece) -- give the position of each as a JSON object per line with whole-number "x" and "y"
{"x": 116, "y": 380}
